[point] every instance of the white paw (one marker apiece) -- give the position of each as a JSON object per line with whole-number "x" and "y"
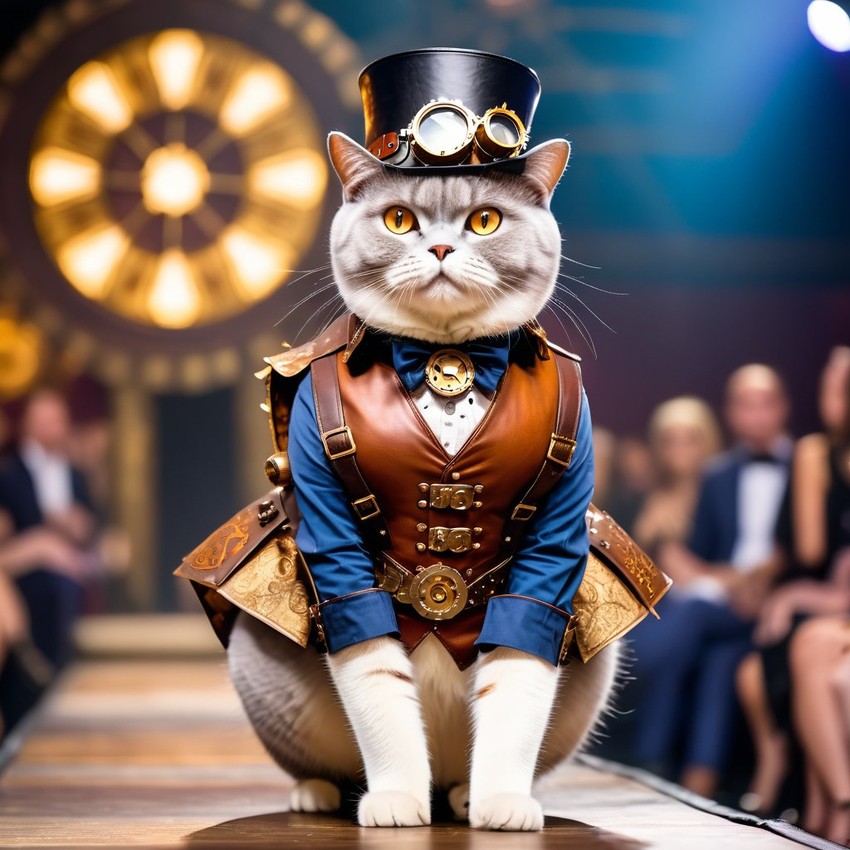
{"x": 392, "y": 808}
{"x": 506, "y": 811}
{"x": 459, "y": 800}
{"x": 314, "y": 795}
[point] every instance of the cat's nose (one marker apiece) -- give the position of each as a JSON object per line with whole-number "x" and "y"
{"x": 440, "y": 251}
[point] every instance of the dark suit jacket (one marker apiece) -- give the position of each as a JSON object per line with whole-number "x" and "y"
{"x": 17, "y": 493}
{"x": 715, "y": 529}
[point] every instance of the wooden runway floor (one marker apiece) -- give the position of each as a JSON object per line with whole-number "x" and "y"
{"x": 157, "y": 753}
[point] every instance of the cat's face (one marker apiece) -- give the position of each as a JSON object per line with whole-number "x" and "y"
{"x": 445, "y": 259}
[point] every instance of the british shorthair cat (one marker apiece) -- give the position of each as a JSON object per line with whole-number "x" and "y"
{"x": 445, "y": 260}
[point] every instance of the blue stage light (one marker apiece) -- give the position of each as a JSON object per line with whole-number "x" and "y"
{"x": 830, "y": 25}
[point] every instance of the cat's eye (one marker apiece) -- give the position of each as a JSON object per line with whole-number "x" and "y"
{"x": 484, "y": 221}
{"x": 400, "y": 220}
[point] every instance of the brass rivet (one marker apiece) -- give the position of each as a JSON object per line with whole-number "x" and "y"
{"x": 476, "y": 545}
{"x": 477, "y": 530}
{"x": 420, "y": 526}
{"x": 455, "y": 476}
{"x": 477, "y": 504}
{"x": 423, "y": 488}
{"x": 508, "y": 539}
{"x": 383, "y": 532}
{"x": 469, "y": 571}
{"x": 420, "y": 547}
{"x": 478, "y": 488}
{"x": 422, "y": 503}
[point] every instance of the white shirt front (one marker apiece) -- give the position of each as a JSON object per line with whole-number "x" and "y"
{"x": 761, "y": 486}
{"x": 51, "y": 478}
{"x": 452, "y": 419}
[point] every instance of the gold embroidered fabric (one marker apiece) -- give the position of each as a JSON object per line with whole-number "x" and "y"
{"x": 269, "y": 587}
{"x": 605, "y": 609}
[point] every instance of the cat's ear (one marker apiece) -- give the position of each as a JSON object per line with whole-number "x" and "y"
{"x": 545, "y": 165}
{"x": 353, "y": 164}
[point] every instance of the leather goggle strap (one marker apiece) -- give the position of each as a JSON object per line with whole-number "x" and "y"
{"x": 341, "y": 451}
{"x": 558, "y": 456}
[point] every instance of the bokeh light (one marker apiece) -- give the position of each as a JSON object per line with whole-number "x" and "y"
{"x": 830, "y": 25}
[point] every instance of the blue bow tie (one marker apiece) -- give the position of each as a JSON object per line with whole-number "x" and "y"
{"x": 490, "y": 359}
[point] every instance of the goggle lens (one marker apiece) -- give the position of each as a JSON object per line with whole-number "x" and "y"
{"x": 443, "y": 130}
{"x": 505, "y": 131}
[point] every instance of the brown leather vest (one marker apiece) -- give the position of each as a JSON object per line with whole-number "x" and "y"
{"x": 443, "y": 509}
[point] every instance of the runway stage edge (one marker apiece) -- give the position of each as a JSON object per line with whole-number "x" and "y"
{"x": 156, "y": 752}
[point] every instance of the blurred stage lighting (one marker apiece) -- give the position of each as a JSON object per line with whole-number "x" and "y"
{"x": 830, "y": 24}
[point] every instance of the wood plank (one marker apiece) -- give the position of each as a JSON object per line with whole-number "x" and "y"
{"x": 157, "y": 753}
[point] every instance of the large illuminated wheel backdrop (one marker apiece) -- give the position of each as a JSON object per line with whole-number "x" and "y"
{"x": 164, "y": 172}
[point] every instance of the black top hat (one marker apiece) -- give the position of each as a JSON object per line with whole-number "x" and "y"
{"x": 446, "y": 110}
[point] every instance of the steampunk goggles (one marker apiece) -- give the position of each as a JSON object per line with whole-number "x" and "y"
{"x": 445, "y": 132}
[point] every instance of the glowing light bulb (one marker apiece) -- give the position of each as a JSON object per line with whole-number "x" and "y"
{"x": 174, "y": 57}
{"x": 89, "y": 259}
{"x": 58, "y": 175}
{"x": 174, "y": 180}
{"x": 173, "y": 301}
{"x": 829, "y": 24}
{"x": 296, "y": 178}
{"x": 257, "y": 94}
{"x": 257, "y": 263}
{"x": 94, "y": 91}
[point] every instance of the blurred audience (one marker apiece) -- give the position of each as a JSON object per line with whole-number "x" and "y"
{"x": 683, "y": 434}
{"x": 816, "y": 536}
{"x": 686, "y": 717}
{"x": 820, "y": 669}
{"x": 47, "y": 535}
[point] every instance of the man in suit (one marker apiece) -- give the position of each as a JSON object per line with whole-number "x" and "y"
{"x": 46, "y": 525}
{"x": 721, "y": 579}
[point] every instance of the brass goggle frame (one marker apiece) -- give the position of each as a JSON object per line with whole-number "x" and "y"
{"x": 475, "y": 140}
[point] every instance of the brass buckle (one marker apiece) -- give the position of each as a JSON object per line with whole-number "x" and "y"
{"x": 563, "y": 446}
{"x": 366, "y": 508}
{"x": 338, "y": 432}
{"x": 523, "y": 512}
{"x": 443, "y": 539}
{"x": 438, "y": 593}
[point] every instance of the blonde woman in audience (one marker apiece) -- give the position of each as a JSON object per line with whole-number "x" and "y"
{"x": 683, "y": 435}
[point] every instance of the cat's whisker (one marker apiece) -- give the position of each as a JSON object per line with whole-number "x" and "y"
{"x": 592, "y": 312}
{"x": 576, "y": 320}
{"x": 304, "y": 300}
{"x": 308, "y": 322}
{"x": 584, "y": 283}
{"x": 580, "y": 263}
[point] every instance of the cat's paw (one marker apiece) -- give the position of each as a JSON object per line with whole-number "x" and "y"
{"x": 392, "y": 808}
{"x": 459, "y": 800}
{"x": 314, "y": 795}
{"x": 516, "y": 812}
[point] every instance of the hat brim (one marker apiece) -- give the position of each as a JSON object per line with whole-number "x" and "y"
{"x": 513, "y": 165}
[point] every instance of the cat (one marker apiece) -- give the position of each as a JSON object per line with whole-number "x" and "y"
{"x": 415, "y": 721}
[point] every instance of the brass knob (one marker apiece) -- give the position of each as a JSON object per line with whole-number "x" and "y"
{"x": 278, "y": 470}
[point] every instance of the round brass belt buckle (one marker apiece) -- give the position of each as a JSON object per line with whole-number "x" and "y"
{"x": 438, "y": 592}
{"x": 449, "y": 372}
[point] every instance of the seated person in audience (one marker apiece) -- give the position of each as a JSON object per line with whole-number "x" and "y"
{"x": 683, "y": 435}
{"x": 721, "y": 579}
{"x": 816, "y": 536}
{"x": 820, "y": 676}
{"x": 49, "y": 527}
{"x": 14, "y": 627}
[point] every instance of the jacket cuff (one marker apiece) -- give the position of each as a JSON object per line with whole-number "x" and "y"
{"x": 356, "y": 617}
{"x": 525, "y": 624}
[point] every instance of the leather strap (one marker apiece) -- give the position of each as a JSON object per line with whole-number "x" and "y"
{"x": 558, "y": 457}
{"x": 341, "y": 451}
